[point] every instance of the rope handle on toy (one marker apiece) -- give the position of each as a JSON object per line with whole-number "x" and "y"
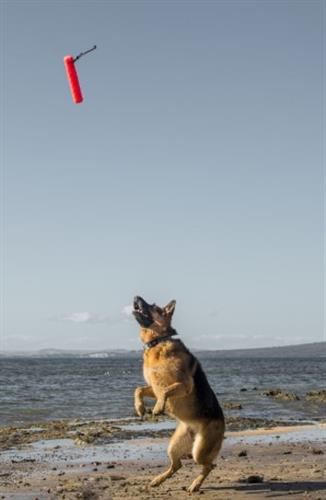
{"x": 84, "y": 53}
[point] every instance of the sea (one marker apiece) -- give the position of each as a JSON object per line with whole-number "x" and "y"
{"x": 44, "y": 389}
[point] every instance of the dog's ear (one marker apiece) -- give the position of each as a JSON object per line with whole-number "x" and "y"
{"x": 169, "y": 308}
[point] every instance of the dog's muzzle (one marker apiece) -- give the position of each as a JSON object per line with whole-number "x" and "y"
{"x": 142, "y": 312}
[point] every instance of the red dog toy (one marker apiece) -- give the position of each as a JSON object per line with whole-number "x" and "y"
{"x": 72, "y": 75}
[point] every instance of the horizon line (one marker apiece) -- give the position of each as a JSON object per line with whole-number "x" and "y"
{"x": 93, "y": 351}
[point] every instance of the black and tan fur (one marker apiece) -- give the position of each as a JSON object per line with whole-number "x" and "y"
{"x": 176, "y": 380}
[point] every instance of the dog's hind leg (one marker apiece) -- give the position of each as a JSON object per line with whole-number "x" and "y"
{"x": 180, "y": 445}
{"x": 206, "y": 447}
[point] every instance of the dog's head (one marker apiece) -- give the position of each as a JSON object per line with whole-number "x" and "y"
{"x": 150, "y": 316}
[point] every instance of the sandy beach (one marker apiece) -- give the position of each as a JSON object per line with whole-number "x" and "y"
{"x": 113, "y": 460}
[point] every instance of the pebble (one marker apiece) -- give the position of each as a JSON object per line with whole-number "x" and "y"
{"x": 254, "y": 478}
{"x": 317, "y": 451}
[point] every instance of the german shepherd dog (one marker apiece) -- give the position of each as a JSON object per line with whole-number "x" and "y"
{"x": 176, "y": 380}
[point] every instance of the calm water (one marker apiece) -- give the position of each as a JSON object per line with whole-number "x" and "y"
{"x": 33, "y": 390}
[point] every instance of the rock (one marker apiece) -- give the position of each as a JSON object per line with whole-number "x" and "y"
{"x": 255, "y": 478}
{"x": 232, "y": 406}
{"x": 280, "y": 394}
{"x": 319, "y": 396}
{"x": 317, "y": 451}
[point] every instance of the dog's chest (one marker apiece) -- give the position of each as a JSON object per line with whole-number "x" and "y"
{"x": 160, "y": 366}
{"x": 147, "y": 374}
{"x": 152, "y": 374}
{"x": 149, "y": 366}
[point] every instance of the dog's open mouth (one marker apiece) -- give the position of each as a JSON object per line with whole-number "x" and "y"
{"x": 142, "y": 312}
{"x": 137, "y": 307}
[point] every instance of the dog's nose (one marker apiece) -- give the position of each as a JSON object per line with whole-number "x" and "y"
{"x": 137, "y": 300}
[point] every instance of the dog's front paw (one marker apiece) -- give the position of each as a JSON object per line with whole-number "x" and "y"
{"x": 158, "y": 408}
{"x": 140, "y": 409}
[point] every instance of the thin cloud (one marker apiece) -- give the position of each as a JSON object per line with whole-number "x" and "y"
{"x": 91, "y": 318}
{"x": 83, "y": 317}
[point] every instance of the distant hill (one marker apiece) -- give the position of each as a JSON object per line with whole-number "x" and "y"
{"x": 312, "y": 350}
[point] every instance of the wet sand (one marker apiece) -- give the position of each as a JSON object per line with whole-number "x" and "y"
{"x": 101, "y": 460}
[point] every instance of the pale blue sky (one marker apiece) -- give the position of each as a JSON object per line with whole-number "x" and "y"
{"x": 193, "y": 170}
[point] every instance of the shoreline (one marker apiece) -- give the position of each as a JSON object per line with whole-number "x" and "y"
{"x": 101, "y": 431}
{"x": 286, "y": 460}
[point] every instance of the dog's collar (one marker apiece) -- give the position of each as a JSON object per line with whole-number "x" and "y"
{"x": 154, "y": 342}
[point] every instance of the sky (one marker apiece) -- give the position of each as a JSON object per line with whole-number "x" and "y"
{"x": 193, "y": 170}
